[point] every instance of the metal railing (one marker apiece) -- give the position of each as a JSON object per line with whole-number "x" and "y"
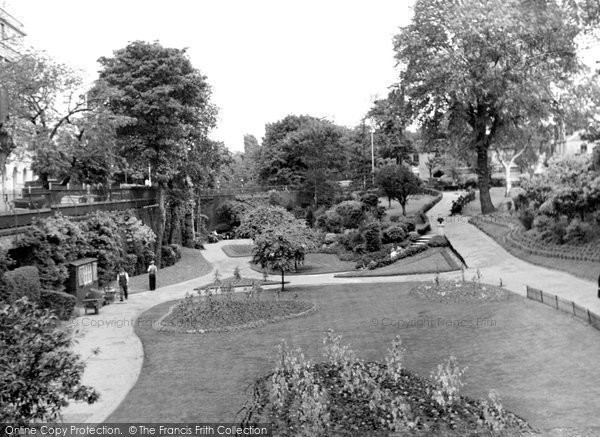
{"x": 34, "y": 202}
{"x": 566, "y": 306}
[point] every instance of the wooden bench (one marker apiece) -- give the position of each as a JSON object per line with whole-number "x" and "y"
{"x": 92, "y": 304}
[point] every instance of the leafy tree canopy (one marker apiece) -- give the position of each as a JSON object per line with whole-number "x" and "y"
{"x": 480, "y": 64}
{"x": 40, "y": 373}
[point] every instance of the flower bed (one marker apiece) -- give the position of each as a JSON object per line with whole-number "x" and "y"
{"x": 238, "y": 250}
{"x": 346, "y": 396}
{"x": 237, "y": 283}
{"x": 460, "y": 292}
{"x": 225, "y": 313}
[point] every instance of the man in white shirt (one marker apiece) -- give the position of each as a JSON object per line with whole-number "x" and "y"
{"x": 123, "y": 280}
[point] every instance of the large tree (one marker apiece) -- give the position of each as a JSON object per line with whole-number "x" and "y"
{"x": 169, "y": 100}
{"x": 306, "y": 153}
{"x": 481, "y": 64}
{"x": 44, "y": 98}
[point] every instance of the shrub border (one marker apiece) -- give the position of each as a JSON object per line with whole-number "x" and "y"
{"x": 158, "y": 325}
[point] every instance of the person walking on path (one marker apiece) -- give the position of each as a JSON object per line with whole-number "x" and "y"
{"x": 152, "y": 275}
{"x": 598, "y": 286}
{"x": 123, "y": 280}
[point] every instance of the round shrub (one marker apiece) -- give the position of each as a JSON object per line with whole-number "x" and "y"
{"x": 438, "y": 173}
{"x": 413, "y": 236}
{"x": 23, "y": 282}
{"x": 351, "y": 212}
{"x": 372, "y": 237}
{"x": 578, "y": 232}
{"x": 542, "y": 223}
{"x": 177, "y": 251}
{"x": 526, "y": 217}
{"x": 168, "y": 256}
{"x": 393, "y": 234}
{"x": 408, "y": 223}
{"x": 330, "y": 221}
{"x": 61, "y": 303}
{"x": 370, "y": 199}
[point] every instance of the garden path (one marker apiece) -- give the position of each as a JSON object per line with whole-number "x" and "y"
{"x": 114, "y": 371}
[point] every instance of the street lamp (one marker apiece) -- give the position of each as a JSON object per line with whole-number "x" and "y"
{"x": 372, "y": 129}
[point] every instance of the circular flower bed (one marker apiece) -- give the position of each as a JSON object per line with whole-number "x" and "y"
{"x": 229, "y": 313}
{"x": 459, "y": 292}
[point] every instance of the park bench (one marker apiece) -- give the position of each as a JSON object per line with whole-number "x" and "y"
{"x": 93, "y": 301}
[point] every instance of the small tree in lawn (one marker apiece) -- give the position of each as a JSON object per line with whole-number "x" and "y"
{"x": 397, "y": 182}
{"x": 40, "y": 373}
{"x": 275, "y": 250}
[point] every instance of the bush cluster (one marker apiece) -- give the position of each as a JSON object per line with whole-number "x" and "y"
{"x": 381, "y": 258}
{"x": 459, "y": 204}
{"x": 170, "y": 254}
{"x": 62, "y": 304}
{"x": 50, "y": 244}
{"x": 23, "y": 282}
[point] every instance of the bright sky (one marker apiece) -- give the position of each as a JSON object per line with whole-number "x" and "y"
{"x": 264, "y": 59}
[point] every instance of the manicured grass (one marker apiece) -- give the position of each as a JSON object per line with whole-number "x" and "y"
{"x": 414, "y": 204}
{"x": 314, "y": 264}
{"x": 582, "y": 269}
{"x": 543, "y": 362}
{"x": 191, "y": 265}
{"x": 435, "y": 259}
{"x": 238, "y": 250}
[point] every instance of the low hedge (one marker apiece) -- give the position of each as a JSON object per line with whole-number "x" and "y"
{"x": 382, "y": 258}
{"x": 23, "y": 281}
{"x": 61, "y": 303}
{"x": 520, "y": 239}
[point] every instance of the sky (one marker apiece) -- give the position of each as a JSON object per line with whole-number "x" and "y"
{"x": 264, "y": 59}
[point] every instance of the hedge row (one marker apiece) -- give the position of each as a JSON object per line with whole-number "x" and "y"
{"x": 61, "y": 303}
{"x": 520, "y": 239}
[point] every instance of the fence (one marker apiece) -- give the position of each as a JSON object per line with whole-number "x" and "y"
{"x": 566, "y": 306}
{"x": 40, "y": 203}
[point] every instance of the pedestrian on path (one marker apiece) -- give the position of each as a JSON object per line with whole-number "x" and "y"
{"x": 598, "y": 286}
{"x": 123, "y": 280}
{"x": 152, "y": 275}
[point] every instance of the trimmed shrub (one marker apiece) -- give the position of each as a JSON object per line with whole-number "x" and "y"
{"x": 408, "y": 223}
{"x": 61, "y": 303}
{"x": 526, "y": 217}
{"x": 413, "y": 236}
{"x": 351, "y": 239}
{"x": 177, "y": 250}
{"x": 330, "y": 221}
{"x": 23, "y": 282}
{"x": 370, "y": 199}
{"x": 394, "y": 218}
{"x": 578, "y": 232}
{"x": 423, "y": 228}
{"x": 352, "y": 213}
{"x": 372, "y": 237}
{"x": 393, "y": 234}
{"x": 168, "y": 256}
{"x": 542, "y": 223}
{"x": 438, "y": 241}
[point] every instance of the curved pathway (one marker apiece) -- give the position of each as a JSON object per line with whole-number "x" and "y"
{"x": 115, "y": 369}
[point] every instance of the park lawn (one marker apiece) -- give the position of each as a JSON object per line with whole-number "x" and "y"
{"x": 433, "y": 260}
{"x": 581, "y": 269}
{"x": 238, "y": 250}
{"x": 191, "y": 265}
{"x": 414, "y": 204}
{"x": 541, "y": 361}
{"x": 314, "y": 264}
